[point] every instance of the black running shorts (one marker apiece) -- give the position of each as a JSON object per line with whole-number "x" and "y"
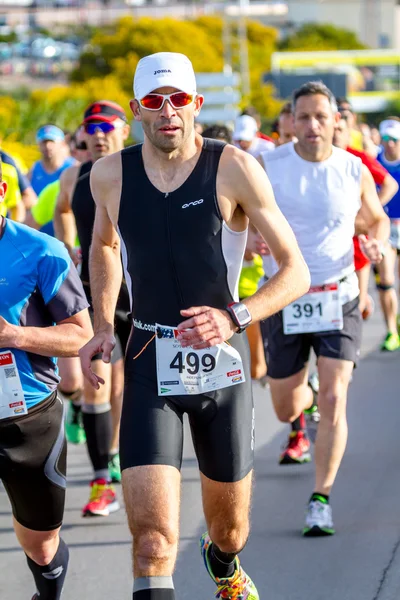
{"x": 222, "y": 421}
{"x": 286, "y": 355}
{"x": 33, "y": 455}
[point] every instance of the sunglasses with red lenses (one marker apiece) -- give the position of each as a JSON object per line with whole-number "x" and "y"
{"x": 92, "y": 128}
{"x": 157, "y": 101}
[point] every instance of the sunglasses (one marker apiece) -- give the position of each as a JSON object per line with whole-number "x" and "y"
{"x": 157, "y": 101}
{"x": 389, "y": 138}
{"x": 92, "y": 128}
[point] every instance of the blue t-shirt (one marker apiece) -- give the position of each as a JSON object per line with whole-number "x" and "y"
{"x": 39, "y": 287}
{"x": 40, "y": 178}
{"x": 392, "y": 208}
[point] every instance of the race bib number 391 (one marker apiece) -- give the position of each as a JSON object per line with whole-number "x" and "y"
{"x": 319, "y": 310}
{"x": 12, "y": 400}
{"x": 182, "y": 371}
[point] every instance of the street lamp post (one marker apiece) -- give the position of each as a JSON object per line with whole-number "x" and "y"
{"x": 236, "y": 53}
{"x": 243, "y": 47}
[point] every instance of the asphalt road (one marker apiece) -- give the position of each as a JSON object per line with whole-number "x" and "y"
{"x": 362, "y": 562}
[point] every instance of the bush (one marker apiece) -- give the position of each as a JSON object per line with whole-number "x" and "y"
{"x": 315, "y": 36}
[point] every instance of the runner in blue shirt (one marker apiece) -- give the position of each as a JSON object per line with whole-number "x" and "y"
{"x": 55, "y": 159}
{"x": 43, "y": 314}
{"x": 389, "y": 157}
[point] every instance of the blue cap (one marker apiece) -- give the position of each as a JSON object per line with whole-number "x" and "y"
{"x": 50, "y": 132}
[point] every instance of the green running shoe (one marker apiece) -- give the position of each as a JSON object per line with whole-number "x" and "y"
{"x": 237, "y": 587}
{"x": 114, "y": 468}
{"x": 390, "y": 343}
{"x": 74, "y": 425}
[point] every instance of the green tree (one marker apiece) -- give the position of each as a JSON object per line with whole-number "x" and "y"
{"x": 118, "y": 49}
{"x": 262, "y": 43}
{"x": 316, "y": 36}
{"x": 392, "y": 109}
{"x": 62, "y": 105}
{"x": 9, "y": 38}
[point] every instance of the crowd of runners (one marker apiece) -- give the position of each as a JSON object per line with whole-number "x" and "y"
{"x": 174, "y": 273}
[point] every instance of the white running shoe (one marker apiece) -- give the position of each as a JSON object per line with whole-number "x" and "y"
{"x": 318, "y": 520}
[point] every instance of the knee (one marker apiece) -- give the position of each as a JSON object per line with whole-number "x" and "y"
{"x": 70, "y": 389}
{"x": 332, "y": 406}
{"x": 42, "y": 553}
{"x": 152, "y": 546}
{"x": 229, "y": 539}
{"x": 71, "y": 382}
{"x": 117, "y": 394}
{"x": 93, "y": 397}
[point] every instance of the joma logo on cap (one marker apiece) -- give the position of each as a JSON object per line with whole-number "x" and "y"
{"x": 162, "y": 71}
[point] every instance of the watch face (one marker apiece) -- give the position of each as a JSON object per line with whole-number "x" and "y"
{"x": 242, "y": 313}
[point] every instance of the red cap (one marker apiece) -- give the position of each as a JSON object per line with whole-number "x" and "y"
{"x": 104, "y": 111}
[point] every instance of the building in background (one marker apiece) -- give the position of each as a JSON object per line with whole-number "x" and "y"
{"x": 369, "y": 78}
{"x": 376, "y": 22}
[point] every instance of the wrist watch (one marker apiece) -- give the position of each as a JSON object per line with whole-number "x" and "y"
{"x": 240, "y": 315}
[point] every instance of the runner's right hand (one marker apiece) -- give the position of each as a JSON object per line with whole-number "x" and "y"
{"x": 102, "y": 343}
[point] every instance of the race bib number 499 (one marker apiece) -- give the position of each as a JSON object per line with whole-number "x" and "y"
{"x": 182, "y": 371}
{"x": 319, "y": 310}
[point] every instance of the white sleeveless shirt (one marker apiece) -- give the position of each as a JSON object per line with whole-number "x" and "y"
{"x": 320, "y": 200}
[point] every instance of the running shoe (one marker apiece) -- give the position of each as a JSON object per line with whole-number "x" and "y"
{"x": 318, "y": 519}
{"x": 312, "y": 414}
{"x": 237, "y": 587}
{"x": 297, "y": 450}
{"x": 74, "y": 425}
{"x": 114, "y": 468}
{"x": 391, "y": 343}
{"x": 103, "y": 500}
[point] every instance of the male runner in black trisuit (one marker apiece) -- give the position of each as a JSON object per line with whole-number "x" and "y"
{"x": 106, "y": 131}
{"x": 178, "y": 208}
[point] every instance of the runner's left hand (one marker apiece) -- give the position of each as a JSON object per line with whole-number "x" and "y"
{"x": 205, "y": 327}
{"x": 8, "y": 334}
{"x": 371, "y": 248}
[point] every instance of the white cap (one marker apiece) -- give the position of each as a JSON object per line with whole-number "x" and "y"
{"x": 245, "y": 129}
{"x": 164, "y": 69}
{"x": 390, "y": 127}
